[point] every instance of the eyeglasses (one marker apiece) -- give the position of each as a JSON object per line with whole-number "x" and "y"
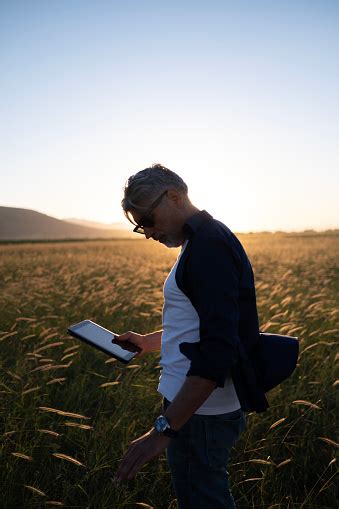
{"x": 147, "y": 220}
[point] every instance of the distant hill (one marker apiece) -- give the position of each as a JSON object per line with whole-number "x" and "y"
{"x": 93, "y": 224}
{"x": 25, "y": 224}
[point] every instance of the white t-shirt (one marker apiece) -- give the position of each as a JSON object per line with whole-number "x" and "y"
{"x": 181, "y": 323}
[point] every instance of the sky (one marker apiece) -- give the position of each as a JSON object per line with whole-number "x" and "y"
{"x": 240, "y": 98}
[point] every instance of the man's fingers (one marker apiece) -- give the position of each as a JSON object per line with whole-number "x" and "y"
{"x": 141, "y": 450}
{"x": 136, "y": 467}
{"x": 124, "y": 337}
{"x": 127, "y": 462}
{"x": 133, "y": 460}
{"x": 140, "y": 463}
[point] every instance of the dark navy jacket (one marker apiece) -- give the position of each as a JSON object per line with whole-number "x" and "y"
{"x": 216, "y": 275}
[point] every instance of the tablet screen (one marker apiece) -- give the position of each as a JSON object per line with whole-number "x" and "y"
{"x": 100, "y": 337}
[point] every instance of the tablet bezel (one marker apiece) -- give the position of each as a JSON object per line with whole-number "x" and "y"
{"x": 72, "y": 330}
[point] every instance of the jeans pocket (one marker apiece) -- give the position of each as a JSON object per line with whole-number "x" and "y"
{"x": 222, "y": 432}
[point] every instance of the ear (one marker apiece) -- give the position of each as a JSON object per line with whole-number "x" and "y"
{"x": 175, "y": 197}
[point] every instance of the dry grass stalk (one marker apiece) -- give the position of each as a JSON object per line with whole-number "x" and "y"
{"x": 306, "y": 403}
{"x": 49, "y": 432}
{"x": 8, "y": 335}
{"x": 46, "y": 347}
{"x": 329, "y": 441}
{"x": 61, "y": 412}
{"x": 31, "y": 390}
{"x": 68, "y": 458}
{"x": 276, "y": 423}
{"x": 285, "y": 462}
{"x": 35, "y": 490}
{"x": 261, "y": 462}
{"x": 67, "y": 356}
{"x": 77, "y": 425}
{"x": 56, "y": 380}
{"x": 71, "y": 348}
{"x": 49, "y": 367}
{"x": 109, "y": 384}
{"x": 22, "y": 456}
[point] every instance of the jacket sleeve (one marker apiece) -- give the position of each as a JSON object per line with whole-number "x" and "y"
{"x": 211, "y": 281}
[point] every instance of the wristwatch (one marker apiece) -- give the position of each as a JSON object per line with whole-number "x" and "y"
{"x": 162, "y": 426}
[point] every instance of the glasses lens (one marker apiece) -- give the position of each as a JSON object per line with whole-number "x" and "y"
{"x": 147, "y": 221}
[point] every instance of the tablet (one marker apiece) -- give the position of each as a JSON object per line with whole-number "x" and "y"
{"x": 104, "y": 339}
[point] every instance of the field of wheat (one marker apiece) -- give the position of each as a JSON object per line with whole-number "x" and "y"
{"x": 68, "y": 411}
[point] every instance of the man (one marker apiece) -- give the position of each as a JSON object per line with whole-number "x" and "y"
{"x": 209, "y": 307}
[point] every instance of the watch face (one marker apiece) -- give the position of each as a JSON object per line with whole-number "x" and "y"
{"x": 161, "y": 424}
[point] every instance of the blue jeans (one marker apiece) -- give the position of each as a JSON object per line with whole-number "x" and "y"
{"x": 198, "y": 458}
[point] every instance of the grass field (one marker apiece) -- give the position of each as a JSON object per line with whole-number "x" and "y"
{"x": 68, "y": 412}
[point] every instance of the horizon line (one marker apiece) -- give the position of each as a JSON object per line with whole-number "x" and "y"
{"x": 306, "y": 229}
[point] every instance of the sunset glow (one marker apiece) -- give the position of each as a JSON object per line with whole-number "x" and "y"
{"x": 241, "y": 99}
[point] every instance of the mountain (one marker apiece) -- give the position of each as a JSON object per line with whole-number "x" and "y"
{"x": 25, "y": 224}
{"x": 93, "y": 224}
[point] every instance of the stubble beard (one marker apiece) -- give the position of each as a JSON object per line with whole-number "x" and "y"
{"x": 172, "y": 241}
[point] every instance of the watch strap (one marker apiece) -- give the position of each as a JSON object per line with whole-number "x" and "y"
{"x": 169, "y": 432}
{"x": 165, "y": 428}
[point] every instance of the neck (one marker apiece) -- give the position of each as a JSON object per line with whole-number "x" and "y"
{"x": 189, "y": 211}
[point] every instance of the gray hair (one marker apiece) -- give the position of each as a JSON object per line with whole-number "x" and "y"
{"x": 145, "y": 186}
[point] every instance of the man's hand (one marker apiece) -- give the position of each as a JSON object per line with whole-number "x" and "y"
{"x": 140, "y": 452}
{"x": 146, "y": 342}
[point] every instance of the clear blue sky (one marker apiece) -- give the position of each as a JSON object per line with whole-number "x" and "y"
{"x": 241, "y": 98}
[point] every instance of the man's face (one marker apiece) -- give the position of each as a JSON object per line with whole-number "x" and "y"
{"x": 167, "y": 222}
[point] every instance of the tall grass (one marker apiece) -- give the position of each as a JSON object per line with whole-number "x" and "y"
{"x": 68, "y": 412}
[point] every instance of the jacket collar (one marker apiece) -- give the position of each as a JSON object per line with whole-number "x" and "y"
{"x": 194, "y": 222}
